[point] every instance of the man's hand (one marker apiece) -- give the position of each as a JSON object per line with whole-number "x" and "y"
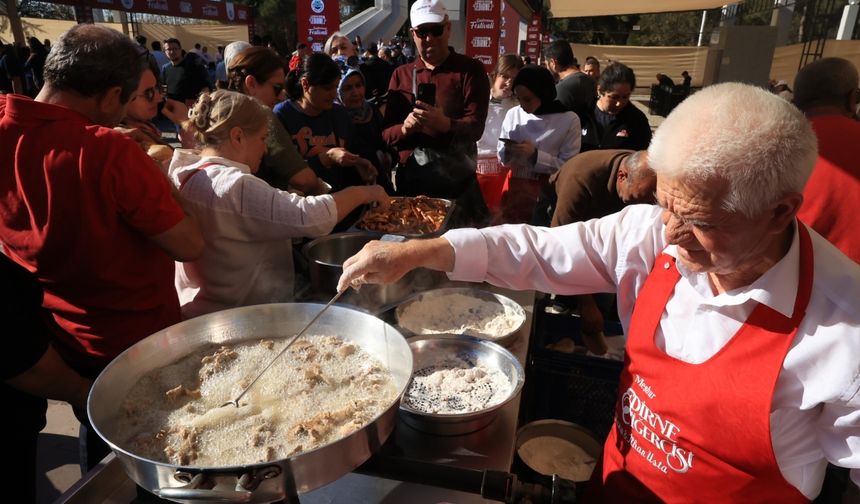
{"x": 432, "y": 118}
{"x": 386, "y": 262}
{"x": 410, "y": 125}
{"x": 174, "y": 110}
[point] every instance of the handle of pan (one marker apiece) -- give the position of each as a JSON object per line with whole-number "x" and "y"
{"x": 200, "y": 494}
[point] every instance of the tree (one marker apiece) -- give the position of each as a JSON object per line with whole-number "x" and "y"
{"x": 673, "y": 28}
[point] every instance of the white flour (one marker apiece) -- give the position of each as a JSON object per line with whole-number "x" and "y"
{"x": 551, "y": 455}
{"x": 457, "y": 385}
{"x": 455, "y": 313}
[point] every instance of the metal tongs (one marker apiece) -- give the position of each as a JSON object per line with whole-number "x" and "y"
{"x": 235, "y": 402}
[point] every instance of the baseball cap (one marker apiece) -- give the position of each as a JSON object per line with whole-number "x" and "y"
{"x": 427, "y": 11}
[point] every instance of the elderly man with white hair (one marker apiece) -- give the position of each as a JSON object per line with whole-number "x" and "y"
{"x": 743, "y": 351}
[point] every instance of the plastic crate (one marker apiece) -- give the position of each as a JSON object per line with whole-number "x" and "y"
{"x": 578, "y": 388}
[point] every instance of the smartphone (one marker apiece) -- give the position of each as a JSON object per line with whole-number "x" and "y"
{"x": 426, "y": 93}
{"x": 507, "y": 141}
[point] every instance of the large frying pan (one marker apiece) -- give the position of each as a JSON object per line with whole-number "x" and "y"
{"x": 265, "y": 482}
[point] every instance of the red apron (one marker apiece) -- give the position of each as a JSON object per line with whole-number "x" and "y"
{"x": 699, "y": 432}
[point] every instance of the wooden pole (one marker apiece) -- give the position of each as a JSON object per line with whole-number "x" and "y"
{"x": 15, "y": 22}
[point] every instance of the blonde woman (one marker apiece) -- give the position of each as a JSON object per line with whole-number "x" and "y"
{"x": 246, "y": 223}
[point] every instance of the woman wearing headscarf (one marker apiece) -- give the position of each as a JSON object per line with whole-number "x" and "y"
{"x": 536, "y": 138}
{"x": 367, "y": 120}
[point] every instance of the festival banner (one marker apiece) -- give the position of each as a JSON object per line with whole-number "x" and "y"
{"x": 510, "y": 33}
{"x": 225, "y": 12}
{"x": 533, "y": 38}
{"x": 482, "y": 31}
{"x": 317, "y": 20}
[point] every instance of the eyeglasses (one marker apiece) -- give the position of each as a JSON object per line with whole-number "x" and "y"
{"x": 436, "y": 30}
{"x": 149, "y": 93}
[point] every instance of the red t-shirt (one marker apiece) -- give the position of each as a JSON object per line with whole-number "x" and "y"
{"x": 830, "y": 199}
{"x": 77, "y": 203}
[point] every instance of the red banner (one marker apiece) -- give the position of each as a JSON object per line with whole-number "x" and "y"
{"x": 317, "y": 20}
{"x": 533, "y": 39}
{"x": 510, "y": 33}
{"x": 226, "y": 12}
{"x": 482, "y": 31}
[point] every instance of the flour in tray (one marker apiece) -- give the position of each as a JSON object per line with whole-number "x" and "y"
{"x": 457, "y": 385}
{"x": 455, "y": 313}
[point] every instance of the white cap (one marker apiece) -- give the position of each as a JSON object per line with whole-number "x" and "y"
{"x": 427, "y": 11}
{"x": 232, "y": 50}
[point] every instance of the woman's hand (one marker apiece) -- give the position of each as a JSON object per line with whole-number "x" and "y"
{"x": 524, "y": 151}
{"x": 340, "y": 157}
{"x": 174, "y": 110}
{"x": 366, "y": 170}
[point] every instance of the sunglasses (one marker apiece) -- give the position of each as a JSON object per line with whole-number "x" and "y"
{"x": 436, "y": 30}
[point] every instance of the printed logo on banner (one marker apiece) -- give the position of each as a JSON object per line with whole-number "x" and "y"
{"x": 481, "y": 41}
{"x": 210, "y": 10}
{"x": 482, "y": 24}
{"x": 532, "y": 43}
{"x": 483, "y": 6}
{"x": 317, "y": 6}
{"x": 535, "y": 22}
{"x": 157, "y": 4}
{"x": 317, "y": 20}
{"x": 231, "y": 13}
{"x": 243, "y": 15}
{"x": 128, "y": 4}
{"x": 316, "y": 46}
{"x": 319, "y": 32}
{"x": 185, "y": 8}
{"x": 485, "y": 59}
{"x": 533, "y": 36}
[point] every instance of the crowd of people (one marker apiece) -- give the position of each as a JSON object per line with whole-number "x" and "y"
{"x": 110, "y": 232}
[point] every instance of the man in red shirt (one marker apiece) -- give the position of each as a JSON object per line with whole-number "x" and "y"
{"x": 84, "y": 208}
{"x": 446, "y": 131}
{"x": 826, "y": 91}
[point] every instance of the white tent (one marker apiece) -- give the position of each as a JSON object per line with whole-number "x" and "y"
{"x": 586, "y": 8}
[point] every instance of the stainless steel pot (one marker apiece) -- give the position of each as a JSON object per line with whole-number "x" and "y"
{"x": 265, "y": 482}
{"x": 326, "y": 256}
{"x": 429, "y": 350}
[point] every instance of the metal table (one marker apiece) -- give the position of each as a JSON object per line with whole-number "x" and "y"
{"x": 491, "y": 448}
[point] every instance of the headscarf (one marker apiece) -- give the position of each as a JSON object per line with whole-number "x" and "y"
{"x": 359, "y": 115}
{"x": 539, "y": 81}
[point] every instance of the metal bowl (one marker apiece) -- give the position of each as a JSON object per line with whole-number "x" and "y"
{"x": 567, "y": 431}
{"x": 424, "y": 297}
{"x": 429, "y": 350}
{"x": 326, "y": 256}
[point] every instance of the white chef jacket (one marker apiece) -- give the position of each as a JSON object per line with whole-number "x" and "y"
{"x": 247, "y": 226}
{"x": 815, "y": 414}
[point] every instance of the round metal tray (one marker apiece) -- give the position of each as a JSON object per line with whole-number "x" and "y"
{"x": 428, "y": 350}
{"x": 560, "y": 429}
{"x": 492, "y": 297}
